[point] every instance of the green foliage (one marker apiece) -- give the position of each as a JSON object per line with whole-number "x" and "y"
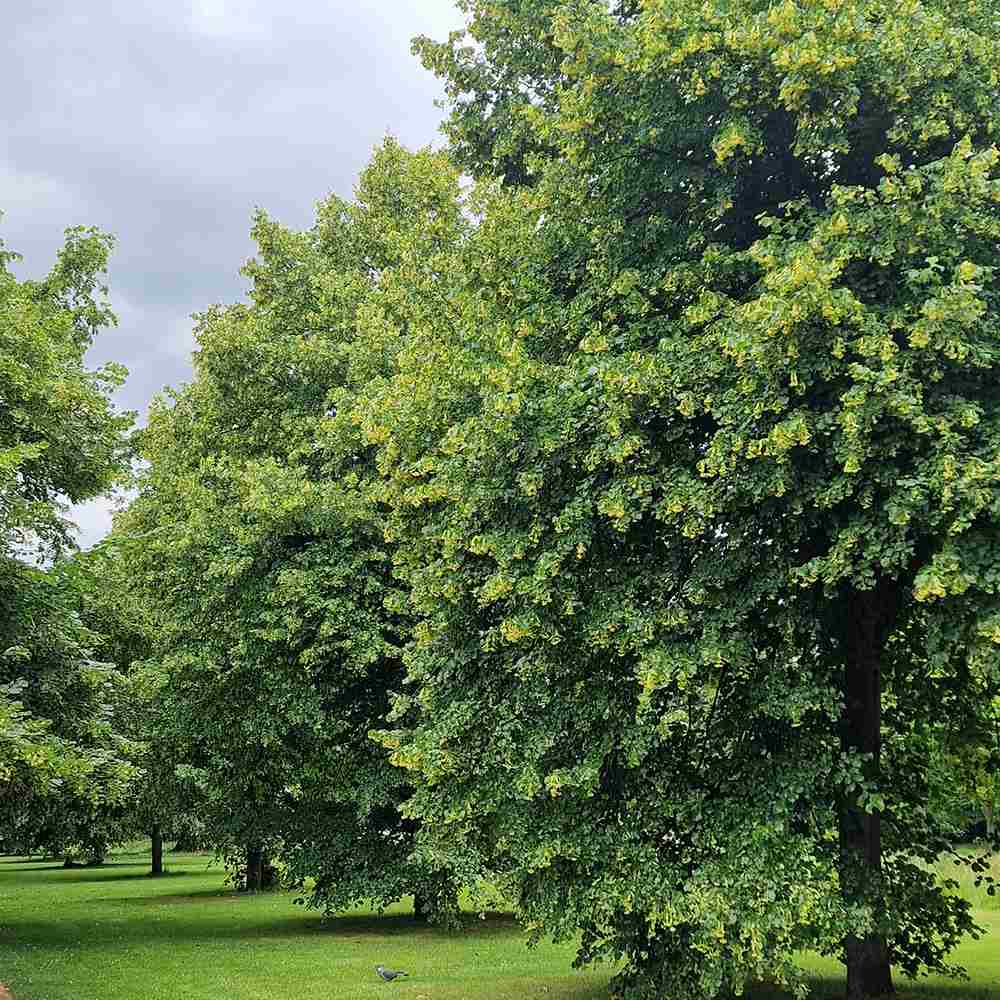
{"x": 704, "y": 427}
{"x": 621, "y": 530}
{"x": 34, "y": 761}
{"x": 67, "y": 766}
{"x": 61, "y": 440}
{"x": 256, "y": 545}
{"x": 966, "y": 775}
{"x": 124, "y": 633}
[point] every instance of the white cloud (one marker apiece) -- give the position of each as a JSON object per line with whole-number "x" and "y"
{"x": 166, "y": 123}
{"x": 229, "y": 20}
{"x": 93, "y": 520}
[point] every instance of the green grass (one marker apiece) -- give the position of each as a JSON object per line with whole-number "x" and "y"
{"x": 112, "y": 933}
{"x": 978, "y": 896}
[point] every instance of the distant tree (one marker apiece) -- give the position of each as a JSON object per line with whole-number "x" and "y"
{"x": 76, "y": 765}
{"x": 61, "y": 441}
{"x": 966, "y": 774}
{"x": 163, "y": 803}
{"x": 260, "y": 553}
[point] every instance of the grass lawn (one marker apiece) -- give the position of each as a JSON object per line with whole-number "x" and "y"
{"x": 112, "y": 933}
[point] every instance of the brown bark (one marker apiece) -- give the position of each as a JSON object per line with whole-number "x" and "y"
{"x": 268, "y": 874}
{"x": 254, "y": 866}
{"x": 868, "y": 619}
{"x": 260, "y": 872}
{"x": 156, "y": 836}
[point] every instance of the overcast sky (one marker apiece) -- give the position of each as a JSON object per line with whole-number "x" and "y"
{"x": 166, "y": 122}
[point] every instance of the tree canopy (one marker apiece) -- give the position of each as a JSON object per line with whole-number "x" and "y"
{"x": 60, "y": 436}
{"x": 255, "y": 544}
{"x": 695, "y": 481}
{"x": 61, "y": 440}
{"x": 619, "y": 527}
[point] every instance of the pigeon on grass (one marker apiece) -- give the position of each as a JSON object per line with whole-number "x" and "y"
{"x": 387, "y": 974}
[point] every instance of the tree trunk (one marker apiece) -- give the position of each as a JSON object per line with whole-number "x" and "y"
{"x": 991, "y": 821}
{"x": 255, "y": 867}
{"x": 868, "y": 617}
{"x": 156, "y": 836}
{"x": 420, "y": 907}
{"x": 268, "y": 873}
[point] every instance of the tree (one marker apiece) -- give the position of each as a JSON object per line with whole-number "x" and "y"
{"x": 966, "y": 786}
{"x": 61, "y": 440}
{"x": 161, "y": 803}
{"x": 264, "y": 564}
{"x": 73, "y": 764}
{"x": 34, "y": 764}
{"x": 694, "y": 483}
{"x": 60, "y": 436}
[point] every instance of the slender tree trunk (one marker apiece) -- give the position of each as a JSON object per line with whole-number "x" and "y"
{"x": 156, "y": 836}
{"x": 420, "y": 907}
{"x": 268, "y": 874}
{"x": 991, "y": 820}
{"x": 868, "y": 618}
{"x": 255, "y": 866}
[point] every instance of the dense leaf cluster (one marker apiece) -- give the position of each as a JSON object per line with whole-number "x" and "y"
{"x": 65, "y": 766}
{"x": 258, "y": 549}
{"x": 699, "y": 475}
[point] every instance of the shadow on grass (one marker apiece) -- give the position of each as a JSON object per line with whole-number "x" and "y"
{"x": 166, "y": 874}
{"x": 217, "y": 924}
{"x": 200, "y": 896}
{"x": 834, "y": 988}
{"x": 57, "y": 866}
{"x": 473, "y": 927}
{"x": 27, "y": 859}
{"x": 362, "y": 925}
{"x": 106, "y": 873}
{"x": 491, "y": 924}
{"x": 95, "y": 876}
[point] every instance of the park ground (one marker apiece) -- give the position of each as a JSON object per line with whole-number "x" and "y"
{"x": 113, "y": 933}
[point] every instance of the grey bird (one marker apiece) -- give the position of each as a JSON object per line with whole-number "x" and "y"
{"x": 387, "y": 974}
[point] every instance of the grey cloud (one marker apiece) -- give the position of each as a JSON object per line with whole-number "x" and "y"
{"x": 166, "y": 123}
